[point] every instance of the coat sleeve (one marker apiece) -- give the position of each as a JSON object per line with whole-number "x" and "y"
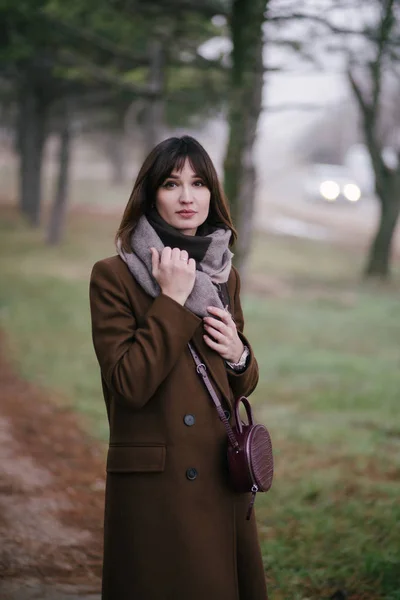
{"x": 244, "y": 382}
{"x": 135, "y": 360}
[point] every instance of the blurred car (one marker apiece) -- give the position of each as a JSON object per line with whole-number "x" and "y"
{"x": 331, "y": 183}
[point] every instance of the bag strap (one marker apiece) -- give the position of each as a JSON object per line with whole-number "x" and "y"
{"x": 202, "y": 371}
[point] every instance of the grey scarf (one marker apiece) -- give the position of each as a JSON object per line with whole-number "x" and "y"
{"x": 215, "y": 266}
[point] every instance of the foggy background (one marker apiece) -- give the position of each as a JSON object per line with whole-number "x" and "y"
{"x": 298, "y": 105}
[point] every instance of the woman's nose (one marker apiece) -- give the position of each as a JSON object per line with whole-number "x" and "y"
{"x": 186, "y": 194}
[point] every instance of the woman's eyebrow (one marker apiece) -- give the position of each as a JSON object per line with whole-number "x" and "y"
{"x": 175, "y": 176}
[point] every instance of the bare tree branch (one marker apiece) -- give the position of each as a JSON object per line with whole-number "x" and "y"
{"x": 358, "y": 94}
{"x": 309, "y": 17}
{"x": 300, "y": 49}
{"x": 385, "y": 27}
{"x": 369, "y": 122}
{"x": 317, "y": 19}
{"x": 370, "y": 109}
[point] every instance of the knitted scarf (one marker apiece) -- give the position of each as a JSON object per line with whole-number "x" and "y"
{"x": 210, "y": 250}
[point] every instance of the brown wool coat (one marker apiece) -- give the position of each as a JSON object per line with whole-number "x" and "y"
{"x": 166, "y": 536}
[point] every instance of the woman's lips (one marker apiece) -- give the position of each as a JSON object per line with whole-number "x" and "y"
{"x": 186, "y": 214}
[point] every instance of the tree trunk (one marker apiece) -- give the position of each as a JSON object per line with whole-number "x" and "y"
{"x": 154, "y": 121}
{"x": 116, "y": 156}
{"x": 31, "y": 139}
{"x": 245, "y": 107}
{"x": 57, "y": 217}
{"x": 115, "y": 145}
{"x": 378, "y": 264}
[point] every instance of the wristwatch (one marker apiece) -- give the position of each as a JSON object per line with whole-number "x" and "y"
{"x": 241, "y": 364}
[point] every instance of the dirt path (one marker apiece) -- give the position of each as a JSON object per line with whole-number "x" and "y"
{"x": 51, "y": 497}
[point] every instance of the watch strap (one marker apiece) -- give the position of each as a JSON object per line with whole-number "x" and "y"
{"x": 241, "y": 362}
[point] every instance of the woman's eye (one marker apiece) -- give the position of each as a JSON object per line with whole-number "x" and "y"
{"x": 169, "y": 184}
{"x": 198, "y": 183}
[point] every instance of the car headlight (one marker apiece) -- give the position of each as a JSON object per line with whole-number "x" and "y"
{"x": 352, "y": 192}
{"x": 330, "y": 190}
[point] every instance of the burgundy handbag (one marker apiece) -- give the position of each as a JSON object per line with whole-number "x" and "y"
{"x": 250, "y": 459}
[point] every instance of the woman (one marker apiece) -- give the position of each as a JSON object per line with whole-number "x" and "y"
{"x": 174, "y": 529}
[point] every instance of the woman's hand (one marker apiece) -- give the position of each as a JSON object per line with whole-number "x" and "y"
{"x": 174, "y": 272}
{"x": 222, "y": 335}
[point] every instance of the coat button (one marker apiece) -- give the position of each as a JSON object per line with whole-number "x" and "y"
{"x": 189, "y": 420}
{"x": 191, "y": 473}
{"x": 227, "y": 414}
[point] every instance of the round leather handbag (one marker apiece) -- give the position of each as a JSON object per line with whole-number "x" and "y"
{"x": 250, "y": 457}
{"x": 250, "y": 460}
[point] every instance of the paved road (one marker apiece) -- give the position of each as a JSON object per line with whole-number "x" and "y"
{"x": 283, "y": 196}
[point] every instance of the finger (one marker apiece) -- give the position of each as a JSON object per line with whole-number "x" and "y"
{"x": 218, "y": 336}
{"x": 175, "y": 255}
{"x": 216, "y": 324}
{"x": 223, "y": 314}
{"x": 155, "y": 260}
{"x": 166, "y": 255}
{"x": 184, "y": 256}
{"x": 192, "y": 264}
{"x": 212, "y": 344}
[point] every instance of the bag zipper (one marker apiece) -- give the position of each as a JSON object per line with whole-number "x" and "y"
{"x": 254, "y": 487}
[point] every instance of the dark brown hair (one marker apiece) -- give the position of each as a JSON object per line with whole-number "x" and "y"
{"x": 158, "y": 166}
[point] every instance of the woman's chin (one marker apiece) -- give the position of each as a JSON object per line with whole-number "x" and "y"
{"x": 187, "y": 230}
{"x": 187, "y": 226}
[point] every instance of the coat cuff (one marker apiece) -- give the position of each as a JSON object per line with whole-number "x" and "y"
{"x": 244, "y": 382}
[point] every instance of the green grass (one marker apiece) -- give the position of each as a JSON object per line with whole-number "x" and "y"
{"x": 44, "y": 309}
{"x": 329, "y": 354}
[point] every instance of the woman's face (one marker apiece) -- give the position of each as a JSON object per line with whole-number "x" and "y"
{"x": 183, "y": 200}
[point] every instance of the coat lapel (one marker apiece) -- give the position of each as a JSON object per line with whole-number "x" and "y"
{"x": 214, "y": 363}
